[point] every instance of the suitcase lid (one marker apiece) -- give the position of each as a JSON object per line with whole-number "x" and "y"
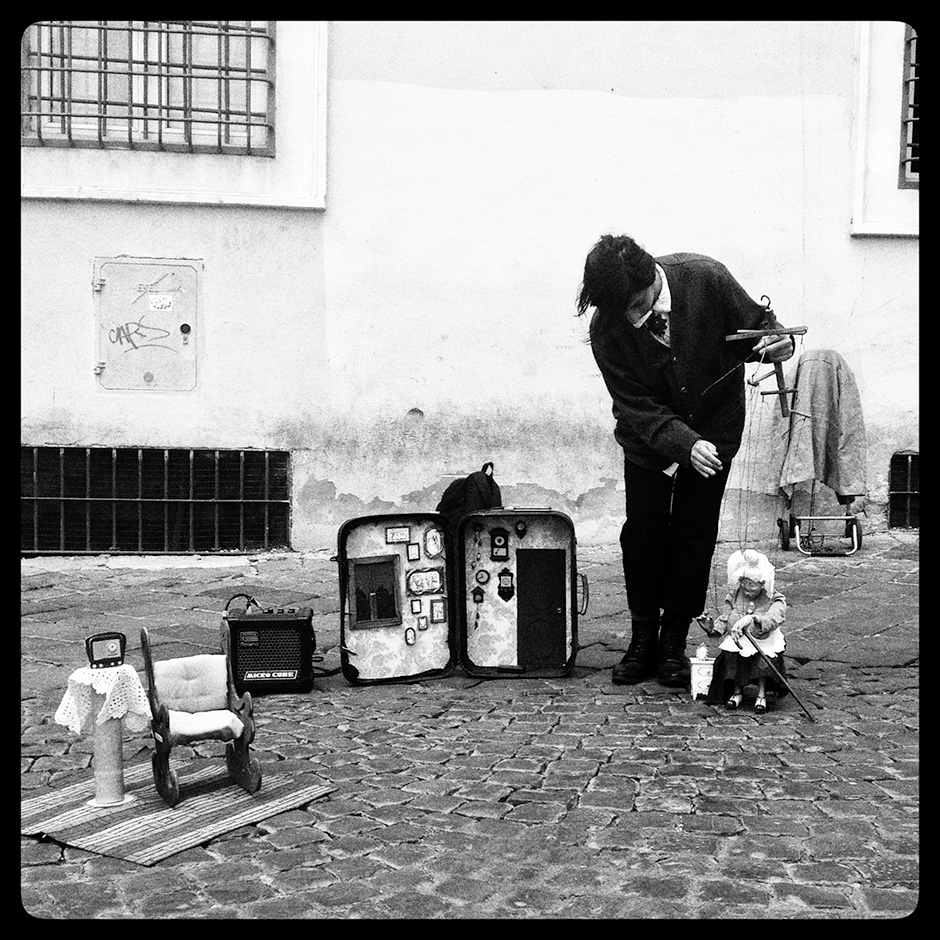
{"x": 403, "y": 532}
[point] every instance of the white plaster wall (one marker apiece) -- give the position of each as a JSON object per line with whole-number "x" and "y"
{"x": 454, "y": 293}
{"x": 468, "y": 265}
{"x": 470, "y": 168}
{"x": 260, "y": 349}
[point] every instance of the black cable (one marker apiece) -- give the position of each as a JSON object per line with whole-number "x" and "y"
{"x": 247, "y": 597}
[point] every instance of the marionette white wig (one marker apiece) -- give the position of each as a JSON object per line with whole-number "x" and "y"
{"x": 750, "y": 564}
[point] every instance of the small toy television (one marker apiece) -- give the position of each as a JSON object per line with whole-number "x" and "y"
{"x": 105, "y": 650}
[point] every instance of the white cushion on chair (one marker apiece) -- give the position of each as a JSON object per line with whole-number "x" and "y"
{"x": 192, "y": 683}
{"x": 218, "y": 723}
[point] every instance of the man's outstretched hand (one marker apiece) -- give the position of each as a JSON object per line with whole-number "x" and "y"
{"x": 704, "y": 458}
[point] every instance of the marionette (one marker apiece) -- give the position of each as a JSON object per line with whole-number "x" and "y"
{"x": 752, "y": 644}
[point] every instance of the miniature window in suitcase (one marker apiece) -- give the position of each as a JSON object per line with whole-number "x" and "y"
{"x": 374, "y": 591}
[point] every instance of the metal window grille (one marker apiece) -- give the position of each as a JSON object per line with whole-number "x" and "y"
{"x": 89, "y": 500}
{"x": 909, "y": 176}
{"x": 150, "y": 85}
{"x": 904, "y": 491}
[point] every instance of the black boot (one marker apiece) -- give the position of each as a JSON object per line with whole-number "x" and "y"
{"x": 674, "y": 666}
{"x": 642, "y": 657}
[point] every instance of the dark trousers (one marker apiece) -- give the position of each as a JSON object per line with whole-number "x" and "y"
{"x": 669, "y": 538}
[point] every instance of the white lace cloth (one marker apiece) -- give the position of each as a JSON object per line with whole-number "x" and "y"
{"x": 124, "y": 697}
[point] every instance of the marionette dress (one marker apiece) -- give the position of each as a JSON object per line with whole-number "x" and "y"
{"x": 741, "y": 667}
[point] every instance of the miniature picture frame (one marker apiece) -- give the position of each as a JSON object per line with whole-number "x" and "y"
{"x": 433, "y": 542}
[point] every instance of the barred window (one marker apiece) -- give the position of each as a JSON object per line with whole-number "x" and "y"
{"x": 904, "y": 490}
{"x": 909, "y": 177}
{"x": 150, "y": 85}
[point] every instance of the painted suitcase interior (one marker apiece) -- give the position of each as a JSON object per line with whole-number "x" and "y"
{"x": 518, "y": 587}
{"x": 397, "y": 613}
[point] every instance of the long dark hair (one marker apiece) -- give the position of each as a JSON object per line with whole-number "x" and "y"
{"x": 616, "y": 269}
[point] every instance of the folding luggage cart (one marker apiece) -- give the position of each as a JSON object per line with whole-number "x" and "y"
{"x": 803, "y": 532}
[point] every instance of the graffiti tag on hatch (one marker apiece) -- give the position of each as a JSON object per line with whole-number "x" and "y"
{"x": 138, "y": 335}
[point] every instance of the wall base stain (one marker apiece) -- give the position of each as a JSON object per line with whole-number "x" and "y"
{"x": 358, "y": 466}
{"x": 748, "y": 518}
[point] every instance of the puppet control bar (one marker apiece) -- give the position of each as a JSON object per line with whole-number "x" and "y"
{"x": 782, "y": 389}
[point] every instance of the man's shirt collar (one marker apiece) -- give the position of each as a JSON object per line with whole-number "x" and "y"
{"x": 663, "y": 302}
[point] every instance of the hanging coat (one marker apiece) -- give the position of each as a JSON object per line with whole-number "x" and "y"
{"x": 825, "y": 440}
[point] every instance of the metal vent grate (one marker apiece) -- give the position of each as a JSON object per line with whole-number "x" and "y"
{"x": 904, "y": 491}
{"x": 138, "y": 500}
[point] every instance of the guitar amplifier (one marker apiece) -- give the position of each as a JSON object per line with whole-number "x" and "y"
{"x": 271, "y": 650}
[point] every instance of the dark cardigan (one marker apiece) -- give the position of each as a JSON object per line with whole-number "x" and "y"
{"x": 663, "y": 398}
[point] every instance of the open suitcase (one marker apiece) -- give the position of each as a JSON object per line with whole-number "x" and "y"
{"x": 499, "y": 595}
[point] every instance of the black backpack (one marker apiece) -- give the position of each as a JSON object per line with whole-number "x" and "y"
{"x": 470, "y": 494}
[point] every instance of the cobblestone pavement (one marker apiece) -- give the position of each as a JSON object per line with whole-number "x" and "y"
{"x": 514, "y": 798}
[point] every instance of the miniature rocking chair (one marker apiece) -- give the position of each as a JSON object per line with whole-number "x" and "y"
{"x": 193, "y": 698}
